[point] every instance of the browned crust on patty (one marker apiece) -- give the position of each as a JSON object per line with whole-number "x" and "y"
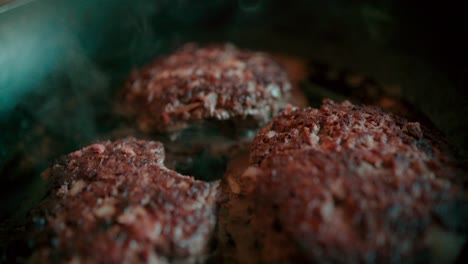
{"x": 352, "y": 184}
{"x": 217, "y": 83}
{"x": 336, "y": 127}
{"x": 116, "y": 202}
{"x": 341, "y": 207}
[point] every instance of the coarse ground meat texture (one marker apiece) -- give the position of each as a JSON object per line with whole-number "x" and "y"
{"x": 347, "y": 183}
{"x": 244, "y": 235}
{"x": 335, "y": 127}
{"x": 306, "y": 206}
{"x": 339, "y": 207}
{"x": 116, "y": 202}
{"x": 217, "y": 83}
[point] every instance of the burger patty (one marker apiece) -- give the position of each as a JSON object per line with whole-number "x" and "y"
{"x": 244, "y": 234}
{"x": 216, "y": 83}
{"x": 115, "y": 202}
{"x": 341, "y": 207}
{"x": 347, "y": 184}
{"x": 336, "y": 127}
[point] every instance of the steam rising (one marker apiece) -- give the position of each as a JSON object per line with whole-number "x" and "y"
{"x": 62, "y": 61}
{"x": 25, "y": 56}
{"x": 249, "y": 5}
{"x": 54, "y": 94}
{"x": 58, "y": 75}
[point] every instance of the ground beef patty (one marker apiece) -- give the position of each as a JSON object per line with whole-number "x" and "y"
{"x": 339, "y": 126}
{"x": 215, "y": 83}
{"x": 115, "y": 202}
{"x": 347, "y": 184}
{"x": 341, "y": 207}
{"x": 244, "y": 234}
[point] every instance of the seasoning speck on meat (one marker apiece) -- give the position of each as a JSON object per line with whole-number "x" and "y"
{"x": 115, "y": 202}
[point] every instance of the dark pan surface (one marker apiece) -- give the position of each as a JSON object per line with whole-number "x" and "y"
{"x": 62, "y": 63}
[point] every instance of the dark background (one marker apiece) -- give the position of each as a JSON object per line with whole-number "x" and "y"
{"x": 62, "y": 61}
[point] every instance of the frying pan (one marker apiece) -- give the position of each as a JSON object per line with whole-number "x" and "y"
{"x": 61, "y": 63}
